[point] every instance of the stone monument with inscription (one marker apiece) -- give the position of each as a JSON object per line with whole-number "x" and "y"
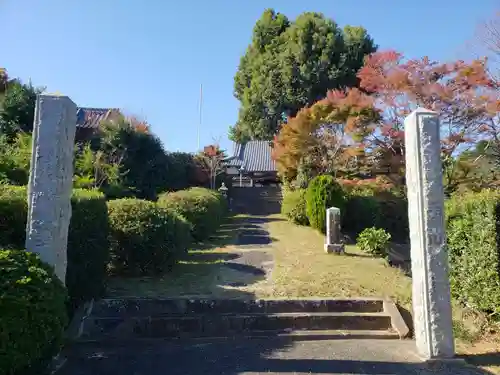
{"x": 51, "y": 180}
{"x": 334, "y": 242}
{"x": 432, "y": 313}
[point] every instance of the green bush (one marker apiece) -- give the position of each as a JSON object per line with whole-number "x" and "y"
{"x": 323, "y": 192}
{"x": 374, "y": 241}
{"x": 88, "y": 246}
{"x": 362, "y": 210}
{"x": 204, "y": 209}
{"x": 293, "y": 206}
{"x": 473, "y": 234}
{"x": 370, "y": 205}
{"x": 32, "y": 313}
{"x": 394, "y": 216}
{"x": 146, "y": 239}
{"x": 13, "y": 212}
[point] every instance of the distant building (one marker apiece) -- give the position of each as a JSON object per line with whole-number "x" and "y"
{"x": 88, "y": 120}
{"x": 252, "y": 162}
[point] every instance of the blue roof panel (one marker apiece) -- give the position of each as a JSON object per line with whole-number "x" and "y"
{"x": 254, "y": 156}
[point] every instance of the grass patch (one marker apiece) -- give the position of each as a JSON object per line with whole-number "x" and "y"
{"x": 303, "y": 269}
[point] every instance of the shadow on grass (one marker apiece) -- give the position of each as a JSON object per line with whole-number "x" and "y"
{"x": 200, "y": 274}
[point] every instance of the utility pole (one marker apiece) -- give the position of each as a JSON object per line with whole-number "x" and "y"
{"x": 199, "y": 123}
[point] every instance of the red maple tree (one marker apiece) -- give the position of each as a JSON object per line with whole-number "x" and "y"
{"x": 372, "y": 118}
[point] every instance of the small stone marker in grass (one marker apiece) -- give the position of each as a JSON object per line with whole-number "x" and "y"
{"x": 334, "y": 241}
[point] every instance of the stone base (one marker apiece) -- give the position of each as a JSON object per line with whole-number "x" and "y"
{"x": 436, "y": 362}
{"x": 334, "y": 248}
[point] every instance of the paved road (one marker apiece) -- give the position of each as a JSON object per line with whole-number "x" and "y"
{"x": 254, "y": 356}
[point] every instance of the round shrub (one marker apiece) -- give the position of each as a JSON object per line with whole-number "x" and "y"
{"x": 374, "y": 241}
{"x": 32, "y": 313}
{"x": 145, "y": 239}
{"x": 293, "y": 206}
{"x": 322, "y": 193}
{"x": 204, "y": 209}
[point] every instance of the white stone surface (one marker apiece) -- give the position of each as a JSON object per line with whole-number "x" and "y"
{"x": 333, "y": 243}
{"x": 431, "y": 288}
{"x": 50, "y": 183}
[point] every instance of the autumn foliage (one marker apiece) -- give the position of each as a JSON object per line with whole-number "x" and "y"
{"x": 362, "y": 130}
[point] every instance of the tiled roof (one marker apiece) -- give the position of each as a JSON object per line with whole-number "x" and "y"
{"x": 254, "y": 156}
{"x": 92, "y": 117}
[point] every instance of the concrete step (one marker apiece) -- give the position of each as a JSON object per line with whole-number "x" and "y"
{"x": 136, "y": 318}
{"x": 292, "y": 335}
{"x": 137, "y": 307}
{"x": 226, "y": 325}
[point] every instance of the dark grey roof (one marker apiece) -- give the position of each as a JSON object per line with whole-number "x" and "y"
{"x": 92, "y": 117}
{"x": 254, "y": 156}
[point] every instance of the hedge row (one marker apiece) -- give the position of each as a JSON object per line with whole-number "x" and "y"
{"x": 204, "y": 209}
{"x": 473, "y": 236}
{"x": 366, "y": 208}
{"x": 148, "y": 238}
{"x": 361, "y": 206}
{"x": 88, "y": 247}
{"x": 131, "y": 236}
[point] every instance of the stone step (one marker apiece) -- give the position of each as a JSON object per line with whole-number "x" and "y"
{"x": 144, "y": 307}
{"x": 216, "y": 325}
{"x": 293, "y": 335}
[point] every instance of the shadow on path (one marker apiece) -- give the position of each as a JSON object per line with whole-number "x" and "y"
{"x": 257, "y": 356}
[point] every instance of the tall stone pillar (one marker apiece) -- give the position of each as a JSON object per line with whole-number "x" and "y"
{"x": 51, "y": 180}
{"x": 432, "y": 313}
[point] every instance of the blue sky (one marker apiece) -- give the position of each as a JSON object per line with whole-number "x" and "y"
{"x": 149, "y": 57}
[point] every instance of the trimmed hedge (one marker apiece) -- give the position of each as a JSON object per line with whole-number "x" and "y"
{"x": 293, "y": 206}
{"x": 146, "y": 239}
{"x": 322, "y": 193}
{"x": 362, "y": 211}
{"x": 13, "y": 213}
{"x": 369, "y": 206}
{"x": 88, "y": 247}
{"x": 32, "y": 313}
{"x": 473, "y": 237}
{"x": 203, "y": 208}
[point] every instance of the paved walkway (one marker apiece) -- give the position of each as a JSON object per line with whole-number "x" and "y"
{"x": 252, "y": 247}
{"x": 255, "y": 356}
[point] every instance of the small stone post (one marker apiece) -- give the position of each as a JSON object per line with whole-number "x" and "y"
{"x": 333, "y": 235}
{"x": 431, "y": 287}
{"x": 51, "y": 180}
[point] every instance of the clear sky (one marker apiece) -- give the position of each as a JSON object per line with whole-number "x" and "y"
{"x": 149, "y": 57}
